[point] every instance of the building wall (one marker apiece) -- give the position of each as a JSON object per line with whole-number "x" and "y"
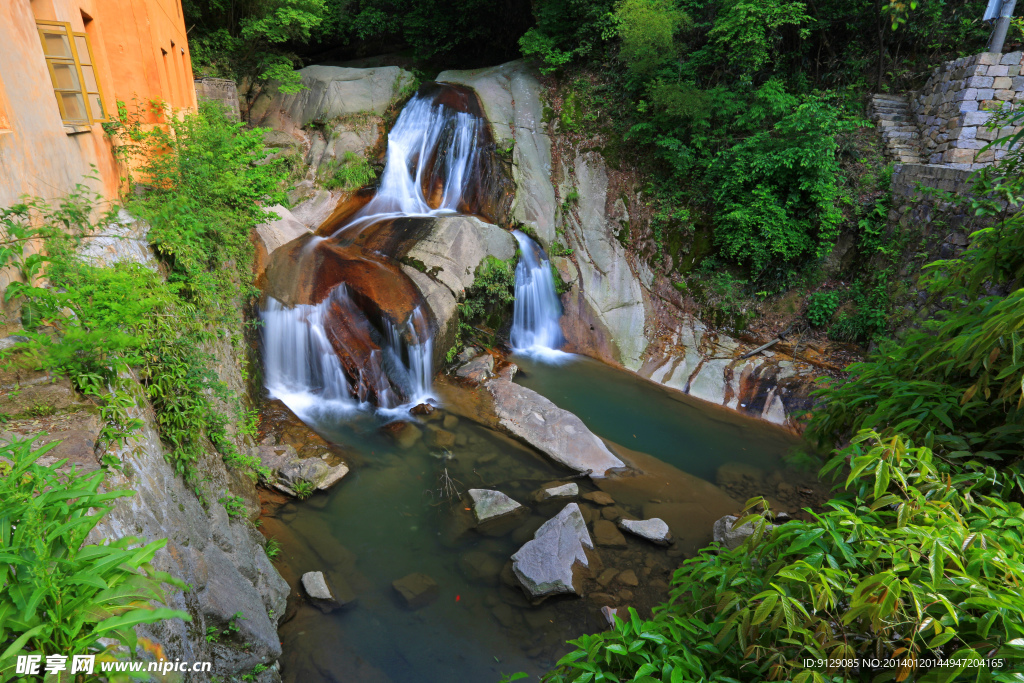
{"x": 141, "y": 54}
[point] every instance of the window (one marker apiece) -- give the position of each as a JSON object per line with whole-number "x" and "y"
{"x": 69, "y": 58}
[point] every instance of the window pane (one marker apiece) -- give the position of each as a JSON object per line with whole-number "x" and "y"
{"x": 96, "y": 105}
{"x": 65, "y": 76}
{"x": 74, "y": 106}
{"x": 56, "y": 45}
{"x": 89, "y": 78}
{"x": 83, "y": 49}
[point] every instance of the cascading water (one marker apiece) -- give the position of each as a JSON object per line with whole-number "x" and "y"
{"x": 535, "y": 323}
{"x": 349, "y": 350}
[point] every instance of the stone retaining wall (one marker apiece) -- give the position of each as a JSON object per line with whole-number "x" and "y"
{"x": 959, "y": 100}
{"x": 220, "y": 90}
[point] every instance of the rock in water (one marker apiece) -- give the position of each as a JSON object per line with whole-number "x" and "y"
{"x": 563, "y": 491}
{"x": 599, "y": 498}
{"x": 321, "y": 595}
{"x": 654, "y": 529}
{"x": 558, "y": 433}
{"x": 729, "y": 537}
{"x": 605, "y": 534}
{"x": 418, "y": 590}
{"x": 489, "y": 504}
{"x": 544, "y": 566}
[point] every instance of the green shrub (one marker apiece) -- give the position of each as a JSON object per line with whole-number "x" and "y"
{"x": 58, "y": 596}
{"x": 349, "y": 174}
{"x": 909, "y": 565}
{"x": 304, "y": 489}
{"x": 821, "y": 306}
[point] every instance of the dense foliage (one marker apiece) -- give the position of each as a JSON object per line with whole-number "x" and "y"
{"x": 59, "y": 594}
{"x": 130, "y": 322}
{"x": 954, "y": 382}
{"x": 487, "y": 304}
{"x": 909, "y": 565}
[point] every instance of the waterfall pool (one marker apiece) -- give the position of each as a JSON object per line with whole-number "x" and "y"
{"x": 390, "y": 517}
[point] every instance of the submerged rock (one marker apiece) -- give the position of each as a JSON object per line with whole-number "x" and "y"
{"x": 654, "y": 530}
{"x": 489, "y": 504}
{"x": 730, "y": 537}
{"x": 605, "y": 534}
{"x": 599, "y": 498}
{"x": 417, "y": 589}
{"x": 561, "y": 435}
{"x": 480, "y": 567}
{"x": 544, "y": 566}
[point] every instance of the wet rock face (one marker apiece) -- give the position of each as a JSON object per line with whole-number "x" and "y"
{"x": 558, "y": 433}
{"x": 512, "y": 98}
{"x": 544, "y": 566}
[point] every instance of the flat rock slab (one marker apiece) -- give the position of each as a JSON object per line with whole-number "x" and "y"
{"x": 544, "y": 566}
{"x": 489, "y": 504}
{"x": 599, "y": 498}
{"x": 654, "y": 530}
{"x": 558, "y": 433}
{"x": 563, "y": 491}
{"x": 417, "y": 589}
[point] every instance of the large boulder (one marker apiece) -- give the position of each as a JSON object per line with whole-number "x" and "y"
{"x": 281, "y": 229}
{"x": 512, "y": 96}
{"x": 331, "y": 92}
{"x": 544, "y": 565}
{"x": 561, "y": 435}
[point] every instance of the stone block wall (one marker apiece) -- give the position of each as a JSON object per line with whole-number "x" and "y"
{"x": 220, "y": 90}
{"x": 958, "y": 102}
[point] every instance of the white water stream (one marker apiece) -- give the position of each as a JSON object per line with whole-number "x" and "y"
{"x": 536, "y": 331}
{"x": 301, "y": 366}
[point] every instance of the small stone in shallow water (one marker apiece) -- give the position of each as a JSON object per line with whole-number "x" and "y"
{"x": 422, "y": 409}
{"x": 407, "y": 435}
{"x": 654, "y": 529}
{"x": 489, "y": 504}
{"x": 607, "y": 576}
{"x": 442, "y": 438}
{"x": 605, "y": 534}
{"x": 564, "y": 491}
{"x": 599, "y": 498}
{"x": 321, "y": 595}
{"x": 450, "y": 421}
{"x": 628, "y": 578}
{"x": 418, "y": 589}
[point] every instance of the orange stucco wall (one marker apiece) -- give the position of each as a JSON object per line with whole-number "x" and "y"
{"x": 141, "y": 54}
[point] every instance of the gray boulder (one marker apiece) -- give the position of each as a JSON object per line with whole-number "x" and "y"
{"x": 724, "y": 533}
{"x": 289, "y": 469}
{"x": 321, "y": 594}
{"x": 331, "y": 92}
{"x": 561, "y": 435}
{"x": 477, "y": 370}
{"x": 455, "y": 247}
{"x": 277, "y": 233}
{"x": 489, "y": 504}
{"x": 512, "y": 98}
{"x": 654, "y": 530}
{"x": 544, "y": 566}
{"x": 124, "y": 241}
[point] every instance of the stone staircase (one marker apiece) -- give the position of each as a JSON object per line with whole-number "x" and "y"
{"x": 892, "y": 116}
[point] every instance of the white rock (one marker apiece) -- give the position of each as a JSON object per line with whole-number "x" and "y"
{"x": 489, "y": 504}
{"x": 544, "y": 565}
{"x": 558, "y": 433}
{"x": 729, "y": 537}
{"x": 654, "y": 529}
{"x": 563, "y": 491}
{"x": 316, "y": 586}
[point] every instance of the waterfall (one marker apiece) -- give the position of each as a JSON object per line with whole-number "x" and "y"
{"x": 344, "y": 353}
{"x": 535, "y": 322}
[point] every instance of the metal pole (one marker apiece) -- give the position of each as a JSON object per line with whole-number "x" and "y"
{"x": 995, "y": 44}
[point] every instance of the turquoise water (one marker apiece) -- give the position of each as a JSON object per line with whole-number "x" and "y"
{"x": 693, "y": 435}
